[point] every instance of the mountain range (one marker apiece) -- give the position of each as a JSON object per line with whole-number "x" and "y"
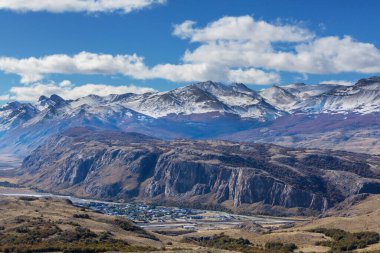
{"x": 243, "y": 177}
{"x": 295, "y": 115}
{"x": 295, "y": 149}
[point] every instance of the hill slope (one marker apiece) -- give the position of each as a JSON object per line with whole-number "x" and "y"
{"x": 50, "y": 225}
{"x": 266, "y": 178}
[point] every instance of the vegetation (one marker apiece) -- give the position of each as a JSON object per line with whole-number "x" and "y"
{"x": 222, "y": 241}
{"x": 27, "y": 198}
{"x": 129, "y": 226}
{"x": 81, "y": 216}
{"x": 35, "y": 234}
{"x": 346, "y": 241}
{"x": 173, "y": 232}
{"x": 279, "y": 246}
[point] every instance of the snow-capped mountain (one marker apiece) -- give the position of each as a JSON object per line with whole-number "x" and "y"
{"x": 202, "y": 110}
{"x": 363, "y": 97}
{"x": 14, "y": 114}
{"x": 280, "y": 97}
{"x": 305, "y": 91}
{"x": 201, "y": 98}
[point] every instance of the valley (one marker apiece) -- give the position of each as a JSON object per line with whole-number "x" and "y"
{"x": 152, "y": 217}
{"x": 271, "y": 171}
{"x": 47, "y": 211}
{"x": 164, "y": 126}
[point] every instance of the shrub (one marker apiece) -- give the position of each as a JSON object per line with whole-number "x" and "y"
{"x": 345, "y": 241}
{"x": 27, "y": 198}
{"x": 81, "y": 216}
{"x": 279, "y": 246}
{"x": 129, "y": 226}
{"x": 274, "y": 245}
{"x": 22, "y": 230}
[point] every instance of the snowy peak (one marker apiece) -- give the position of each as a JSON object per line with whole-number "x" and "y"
{"x": 368, "y": 81}
{"x": 303, "y": 91}
{"x": 14, "y": 114}
{"x": 363, "y": 97}
{"x": 53, "y": 101}
{"x": 200, "y": 98}
{"x": 239, "y": 87}
{"x": 280, "y": 98}
{"x": 372, "y": 83}
{"x": 208, "y": 97}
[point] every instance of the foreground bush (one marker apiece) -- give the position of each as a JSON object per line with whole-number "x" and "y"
{"x": 40, "y": 235}
{"x": 346, "y": 241}
{"x": 222, "y": 241}
{"x": 279, "y": 246}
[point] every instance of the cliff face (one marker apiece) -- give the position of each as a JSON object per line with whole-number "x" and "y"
{"x": 98, "y": 164}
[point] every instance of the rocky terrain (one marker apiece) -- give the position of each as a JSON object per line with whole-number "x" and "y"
{"x": 295, "y": 115}
{"x": 254, "y": 178}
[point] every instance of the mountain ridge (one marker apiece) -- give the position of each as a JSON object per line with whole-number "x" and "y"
{"x": 106, "y": 164}
{"x": 205, "y": 110}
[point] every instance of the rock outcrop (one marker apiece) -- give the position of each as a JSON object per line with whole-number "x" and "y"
{"x": 130, "y": 166}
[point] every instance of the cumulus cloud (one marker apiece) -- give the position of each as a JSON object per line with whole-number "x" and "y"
{"x": 67, "y": 90}
{"x": 231, "y": 49}
{"x": 90, "y": 6}
{"x": 242, "y": 29}
{"x": 35, "y": 69}
{"x": 339, "y": 82}
{"x": 244, "y": 41}
{"x": 247, "y": 75}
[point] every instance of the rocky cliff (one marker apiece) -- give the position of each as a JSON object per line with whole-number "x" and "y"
{"x": 246, "y": 177}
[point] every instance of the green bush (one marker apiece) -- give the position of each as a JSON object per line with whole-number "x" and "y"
{"x": 39, "y": 235}
{"x": 129, "y": 226}
{"x": 279, "y": 246}
{"x": 222, "y": 241}
{"x": 81, "y": 216}
{"x": 346, "y": 241}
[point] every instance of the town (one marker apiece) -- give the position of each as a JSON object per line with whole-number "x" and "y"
{"x": 144, "y": 213}
{"x": 155, "y": 217}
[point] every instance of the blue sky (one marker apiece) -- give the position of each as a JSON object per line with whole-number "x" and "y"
{"x": 147, "y": 33}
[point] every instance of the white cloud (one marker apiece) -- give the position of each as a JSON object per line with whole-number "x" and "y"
{"x": 90, "y": 6}
{"x": 35, "y": 69}
{"x": 67, "y": 90}
{"x": 247, "y": 75}
{"x": 241, "y": 29}
{"x": 231, "y": 49}
{"x": 246, "y": 42}
{"x": 338, "y": 82}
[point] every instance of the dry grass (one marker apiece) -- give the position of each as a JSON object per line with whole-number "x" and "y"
{"x": 364, "y": 216}
{"x": 61, "y": 213}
